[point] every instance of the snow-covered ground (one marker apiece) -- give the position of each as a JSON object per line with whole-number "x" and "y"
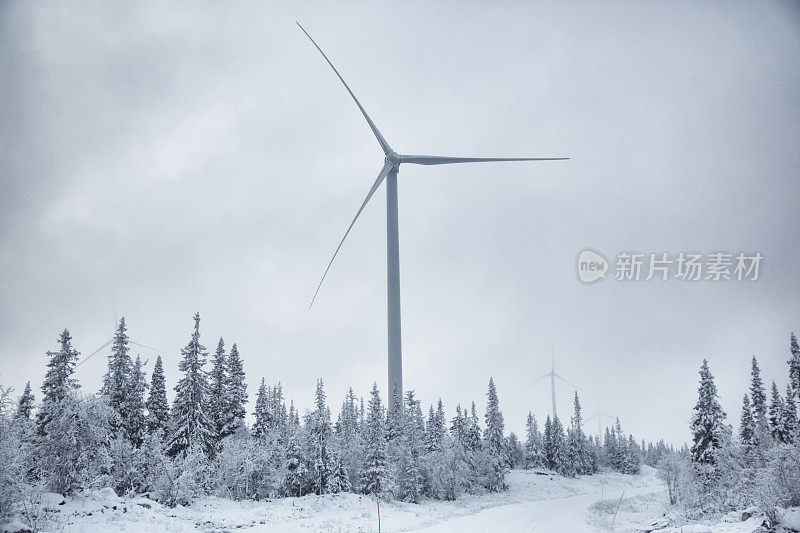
{"x": 534, "y": 502}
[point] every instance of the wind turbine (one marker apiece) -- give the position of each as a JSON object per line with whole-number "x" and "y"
{"x": 109, "y": 341}
{"x": 391, "y": 165}
{"x": 552, "y": 374}
{"x": 599, "y": 415}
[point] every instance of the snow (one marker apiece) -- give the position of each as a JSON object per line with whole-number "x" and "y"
{"x": 534, "y": 502}
{"x": 791, "y": 519}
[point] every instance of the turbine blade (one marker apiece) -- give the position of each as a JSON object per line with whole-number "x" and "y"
{"x": 443, "y": 160}
{"x": 384, "y": 145}
{"x": 384, "y": 172}
{"x": 537, "y": 380}
{"x": 564, "y": 380}
{"x": 109, "y": 341}
{"x": 145, "y": 346}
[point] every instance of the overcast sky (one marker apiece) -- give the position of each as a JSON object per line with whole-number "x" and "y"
{"x": 159, "y": 159}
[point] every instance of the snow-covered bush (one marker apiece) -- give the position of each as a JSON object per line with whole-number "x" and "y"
{"x": 183, "y": 479}
{"x": 247, "y": 468}
{"x": 74, "y": 452}
{"x": 778, "y": 485}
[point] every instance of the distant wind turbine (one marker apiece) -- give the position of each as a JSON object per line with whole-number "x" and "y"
{"x": 552, "y": 374}
{"x": 599, "y": 415}
{"x": 391, "y": 165}
{"x": 109, "y": 341}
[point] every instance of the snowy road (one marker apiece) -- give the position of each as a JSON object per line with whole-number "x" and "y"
{"x": 559, "y": 514}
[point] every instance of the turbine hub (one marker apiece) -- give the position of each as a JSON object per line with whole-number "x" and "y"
{"x": 393, "y": 158}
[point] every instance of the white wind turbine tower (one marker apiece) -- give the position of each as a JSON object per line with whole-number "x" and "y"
{"x": 391, "y": 165}
{"x": 552, "y": 375}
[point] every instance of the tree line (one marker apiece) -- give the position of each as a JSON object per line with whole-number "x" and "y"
{"x": 128, "y": 437}
{"x": 759, "y": 464}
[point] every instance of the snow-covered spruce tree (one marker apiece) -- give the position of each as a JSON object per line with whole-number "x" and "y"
{"x": 493, "y": 434}
{"x": 790, "y": 423}
{"x": 191, "y": 426}
{"x": 116, "y": 382}
{"x": 295, "y": 481}
{"x": 217, "y": 383}
{"x": 794, "y": 363}
{"x": 374, "y": 476}
{"x": 534, "y": 452}
{"x": 473, "y": 429}
{"x": 339, "y": 480}
{"x": 747, "y": 425}
{"x": 318, "y": 424}
{"x": 431, "y": 444}
{"x": 348, "y": 438}
{"x": 58, "y": 381}
{"x": 157, "y": 406}
{"x": 25, "y": 404}
{"x": 577, "y": 459}
{"x": 261, "y": 426}
{"x": 776, "y": 408}
{"x": 440, "y": 426}
{"x": 457, "y": 427}
{"x": 235, "y": 394}
{"x": 758, "y": 399}
{"x": 409, "y": 475}
{"x": 558, "y": 456}
{"x": 515, "y": 451}
{"x": 134, "y": 404}
{"x": 708, "y": 429}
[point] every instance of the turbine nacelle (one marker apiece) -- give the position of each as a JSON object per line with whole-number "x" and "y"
{"x": 393, "y": 158}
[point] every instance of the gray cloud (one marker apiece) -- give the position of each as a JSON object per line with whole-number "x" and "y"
{"x": 160, "y": 159}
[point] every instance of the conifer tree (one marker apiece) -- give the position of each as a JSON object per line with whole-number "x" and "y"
{"x": 58, "y": 381}
{"x": 191, "y": 425}
{"x": 25, "y": 404}
{"x": 707, "y": 425}
{"x": 236, "y": 394}
{"x": 339, "y": 480}
{"x": 758, "y": 399}
{"x": 374, "y": 478}
{"x": 794, "y": 364}
{"x": 547, "y": 442}
{"x": 261, "y": 427}
{"x": 493, "y": 434}
{"x": 534, "y": 453}
{"x": 776, "y": 409}
{"x": 116, "y": 382}
{"x": 457, "y": 429}
{"x": 295, "y": 479}
{"x": 319, "y": 433}
{"x": 747, "y": 429}
{"x": 473, "y": 429}
{"x": 558, "y": 452}
{"x": 441, "y": 423}
{"x": 135, "y": 421}
{"x": 790, "y": 423}
{"x": 577, "y": 455}
{"x": 157, "y": 406}
{"x": 431, "y": 444}
{"x": 218, "y": 389}
{"x": 409, "y": 475}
